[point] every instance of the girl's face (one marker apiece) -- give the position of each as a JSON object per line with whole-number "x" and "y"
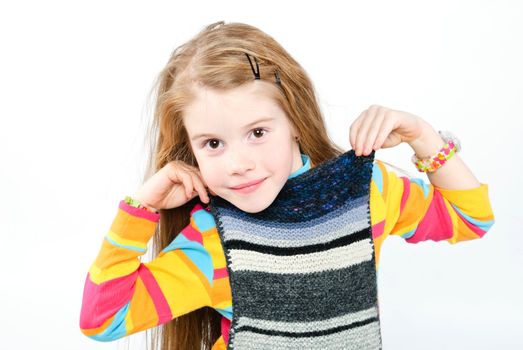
{"x": 246, "y": 137}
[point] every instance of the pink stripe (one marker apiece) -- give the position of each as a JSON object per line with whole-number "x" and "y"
{"x": 101, "y": 301}
{"x": 192, "y": 235}
{"x": 226, "y": 326}
{"x": 377, "y": 230}
{"x": 196, "y": 207}
{"x": 160, "y": 303}
{"x": 142, "y": 213}
{"x": 221, "y": 273}
{"x": 436, "y": 225}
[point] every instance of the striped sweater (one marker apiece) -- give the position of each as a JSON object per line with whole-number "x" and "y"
{"x": 123, "y": 296}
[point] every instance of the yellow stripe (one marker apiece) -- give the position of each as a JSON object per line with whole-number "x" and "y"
{"x": 377, "y": 205}
{"x": 385, "y": 174}
{"x": 473, "y": 201}
{"x": 392, "y": 193}
{"x": 123, "y": 241}
{"x": 219, "y": 344}
{"x": 133, "y": 227}
{"x": 129, "y": 326}
{"x": 99, "y": 276}
{"x": 213, "y": 245}
{"x": 183, "y": 285}
{"x": 223, "y": 305}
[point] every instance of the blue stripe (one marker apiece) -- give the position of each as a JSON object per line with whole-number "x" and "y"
{"x": 377, "y": 177}
{"x": 196, "y": 252}
{"x": 204, "y": 220}
{"x": 226, "y": 312}
{"x": 142, "y": 250}
{"x": 116, "y": 329}
{"x": 421, "y": 183}
{"x": 409, "y": 234}
{"x": 484, "y": 225}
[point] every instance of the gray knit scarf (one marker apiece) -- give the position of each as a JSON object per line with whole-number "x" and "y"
{"x": 302, "y": 271}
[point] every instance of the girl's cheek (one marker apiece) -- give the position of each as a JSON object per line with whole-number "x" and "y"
{"x": 211, "y": 179}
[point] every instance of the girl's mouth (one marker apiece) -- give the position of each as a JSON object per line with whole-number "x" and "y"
{"x": 249, "y": 189}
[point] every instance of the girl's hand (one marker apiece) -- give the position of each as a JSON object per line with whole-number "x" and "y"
{"x": 382, "y": 127}
{"x": 172, "y": 186}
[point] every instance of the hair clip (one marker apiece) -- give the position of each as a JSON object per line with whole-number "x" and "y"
{"x": 256, "y": 74}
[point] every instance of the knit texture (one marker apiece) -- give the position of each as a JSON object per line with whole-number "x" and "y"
{"x": 302, "y": 271}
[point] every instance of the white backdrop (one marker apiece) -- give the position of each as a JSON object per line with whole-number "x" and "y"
{"x": 74, "y": 82}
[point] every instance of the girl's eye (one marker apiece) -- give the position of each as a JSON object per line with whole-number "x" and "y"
{"x": 213, "y": 141}
{"x": 260, "y": 129}
{"x": 216, "y": 141}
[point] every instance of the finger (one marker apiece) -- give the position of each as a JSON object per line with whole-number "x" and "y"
{"x": 374, "y": 130}
{"x": 200, "y": 188}
{"x": 361, "y": 136}
{"x": 204, "y": 183}
{"x": 354, "y": 130}
{"x": 185, "y": 178}
{"x": 386, "y": 129}
{"x": 189, "y": 188}
{"x": 197, "y": 182}
{"x": 200, "y": 184}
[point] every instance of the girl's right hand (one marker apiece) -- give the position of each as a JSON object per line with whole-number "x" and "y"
{"x": 172, "y": 186}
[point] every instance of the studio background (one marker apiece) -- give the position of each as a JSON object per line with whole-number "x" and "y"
{"x": 74, "y": 82}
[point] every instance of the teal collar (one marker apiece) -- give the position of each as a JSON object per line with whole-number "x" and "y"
{"x": 306, "y": 166}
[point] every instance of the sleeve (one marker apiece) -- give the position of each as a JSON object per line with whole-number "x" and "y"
{"x": 418, "y": 211}
{"x": 122, "y": 295}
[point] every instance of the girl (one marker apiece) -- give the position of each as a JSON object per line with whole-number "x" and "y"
{"x": 258, "y": 218}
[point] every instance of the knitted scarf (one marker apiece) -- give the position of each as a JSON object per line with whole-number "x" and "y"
{"x": 302, "y": 271}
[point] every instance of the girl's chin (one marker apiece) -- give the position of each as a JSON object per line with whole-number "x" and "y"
{"x": 253, "y": 205}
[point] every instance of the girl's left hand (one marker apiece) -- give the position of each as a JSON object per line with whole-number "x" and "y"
{"x": 382, "y": 127}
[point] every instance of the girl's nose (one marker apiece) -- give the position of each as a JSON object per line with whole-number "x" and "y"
{"x": 240, "y": 162}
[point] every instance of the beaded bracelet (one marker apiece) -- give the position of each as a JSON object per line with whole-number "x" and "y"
{"x": 433, "y": 163}
{"x": 135, "y": 203}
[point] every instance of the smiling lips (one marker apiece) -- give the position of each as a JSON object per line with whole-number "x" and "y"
{"x": 249, "y": 186}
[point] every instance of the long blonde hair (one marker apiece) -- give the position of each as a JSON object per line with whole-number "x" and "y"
{"x": 216, "y": 58}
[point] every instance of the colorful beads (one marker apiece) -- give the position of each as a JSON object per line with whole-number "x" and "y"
{"x": 134, "y": 203}
{"x": 433, "y": 163}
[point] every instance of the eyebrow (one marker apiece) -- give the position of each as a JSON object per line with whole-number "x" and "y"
{"x": 198, "y": 136}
